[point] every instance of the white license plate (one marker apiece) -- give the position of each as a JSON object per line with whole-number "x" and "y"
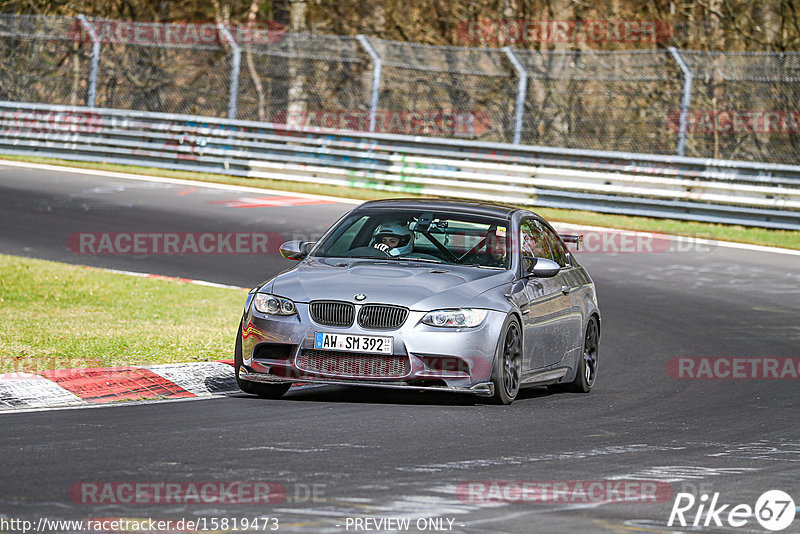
{"x": 351, "y": 343}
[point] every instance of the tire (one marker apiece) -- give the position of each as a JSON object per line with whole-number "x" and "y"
{"x": 507, "y": 367}
{"x": 267, "y": 391}
{"x": 586, "y": 373}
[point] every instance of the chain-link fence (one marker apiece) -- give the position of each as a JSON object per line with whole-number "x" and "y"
{"x": 447, "y": 91}
{"x": 167, "y": 76}
{"x": 702, "y": 104}
{"x": 763, "y": 87}
{"x": 41, "y": 61}
{"x": 304, "y": 79}
{"x": 601, "y": 100}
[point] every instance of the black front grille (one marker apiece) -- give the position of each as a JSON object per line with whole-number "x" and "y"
{"x": 353, "y": 364}
{"x": 332, "y": 313}
{"x": 382, "y": 317}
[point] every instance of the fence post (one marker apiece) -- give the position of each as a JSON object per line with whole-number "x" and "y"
{"x": 522, "y": 88}
{"x": 92, "y": 96}
{"x": 376, "y": 79}
{"x": 686, "y": 99}
{"x": 236, "y": 65}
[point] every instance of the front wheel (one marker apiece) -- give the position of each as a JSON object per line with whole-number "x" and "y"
{"x": 507, "y": 369}
{"x": 268, "y": 391}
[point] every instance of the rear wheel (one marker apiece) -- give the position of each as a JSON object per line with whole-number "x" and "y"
{"x": 507, "y": 368}
{"x": 587, "y": 366}
{"x": 268, "y": 391}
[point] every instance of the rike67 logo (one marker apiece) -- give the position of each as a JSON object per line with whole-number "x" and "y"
{"x": 774, "y": 510}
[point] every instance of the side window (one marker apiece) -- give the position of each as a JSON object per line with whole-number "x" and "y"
{"x": 533, "y": 242}
{"x": 560, "y": 255}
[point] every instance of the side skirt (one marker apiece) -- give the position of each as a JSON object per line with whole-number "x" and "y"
{"x": 539, "y": 378}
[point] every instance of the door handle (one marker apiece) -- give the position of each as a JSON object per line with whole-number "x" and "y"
{"x": 566, "y": 289}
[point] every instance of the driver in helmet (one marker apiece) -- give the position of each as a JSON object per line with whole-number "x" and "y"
{"x": 394, "y": 239}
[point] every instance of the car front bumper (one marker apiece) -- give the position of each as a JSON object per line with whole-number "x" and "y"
{"x": 440, "y": 359}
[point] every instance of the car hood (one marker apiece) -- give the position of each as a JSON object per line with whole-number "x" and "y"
{"x": 419, "y": 286}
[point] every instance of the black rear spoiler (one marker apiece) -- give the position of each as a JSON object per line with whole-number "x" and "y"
{"x": 572, "y": 238}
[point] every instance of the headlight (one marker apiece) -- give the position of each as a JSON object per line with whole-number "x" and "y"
{"x": 460, "y": 318}
{"x": 272, "y": 305}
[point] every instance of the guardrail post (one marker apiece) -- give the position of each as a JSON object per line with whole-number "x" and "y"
{"x": 92, "y": 96}
{"x": 686, "y": 99}
{"x": 236, "y": 65}
{"x": 376, "y": 79}
{"x": 522, "y": 88}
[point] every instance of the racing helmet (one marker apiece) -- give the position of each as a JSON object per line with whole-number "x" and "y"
{"x": 401, "y": 232}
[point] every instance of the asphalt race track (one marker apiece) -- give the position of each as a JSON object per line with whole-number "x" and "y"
{"x": 377, "y": 454}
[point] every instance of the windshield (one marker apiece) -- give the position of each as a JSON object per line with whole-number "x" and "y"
{"x": 433, "y": 237}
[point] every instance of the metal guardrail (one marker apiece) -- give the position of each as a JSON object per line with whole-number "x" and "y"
{"x": 720, "y": 191}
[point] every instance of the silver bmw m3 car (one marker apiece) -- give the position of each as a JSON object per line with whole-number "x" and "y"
{"x": 425, "y": 295}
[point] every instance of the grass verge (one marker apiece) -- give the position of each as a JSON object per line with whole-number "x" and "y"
{"x": 59, "y": 316}
{"x": 741, "y": 234}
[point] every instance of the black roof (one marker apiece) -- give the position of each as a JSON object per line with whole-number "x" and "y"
{"x": 472, "y": 207}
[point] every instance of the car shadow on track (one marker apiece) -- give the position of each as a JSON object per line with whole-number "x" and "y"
{"x": 353, "y": 394}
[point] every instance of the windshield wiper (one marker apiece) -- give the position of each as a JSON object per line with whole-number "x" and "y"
{"x": 424, "y": 260}
{"x": 493, "y": 267}
{"x": 392, "y": 258}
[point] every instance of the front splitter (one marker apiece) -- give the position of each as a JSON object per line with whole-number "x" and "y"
{"x": 485, "y": 389}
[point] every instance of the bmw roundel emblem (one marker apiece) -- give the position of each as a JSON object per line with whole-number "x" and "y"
{"x": 360, "y": 297}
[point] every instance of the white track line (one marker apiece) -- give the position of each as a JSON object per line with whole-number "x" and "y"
{"x": 111, "y": 404}
{"x": 176, "y": 181}
{"x": 169, "y": 278}
{"x": 342, "y": 200}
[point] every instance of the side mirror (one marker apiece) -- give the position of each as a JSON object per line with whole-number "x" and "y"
{"x": 572, "y": 238}
{"x": 542, "y": 267}
{"x": 296, "y": 250}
